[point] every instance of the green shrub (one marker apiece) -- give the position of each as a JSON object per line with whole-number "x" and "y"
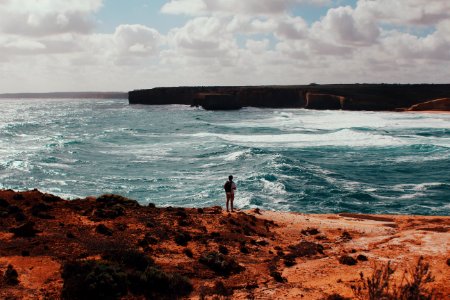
{"x": 93, "y": 280}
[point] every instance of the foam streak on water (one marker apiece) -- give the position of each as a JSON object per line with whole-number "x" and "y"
{"x": 297, "y": 160}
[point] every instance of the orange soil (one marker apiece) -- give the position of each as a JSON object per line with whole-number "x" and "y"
{"x": 258, "y": 240}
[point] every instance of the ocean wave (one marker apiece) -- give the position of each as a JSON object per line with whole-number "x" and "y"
{"x": 343, "y": 138}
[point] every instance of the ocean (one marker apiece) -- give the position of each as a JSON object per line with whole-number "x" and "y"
{"x": 281, "y": 159}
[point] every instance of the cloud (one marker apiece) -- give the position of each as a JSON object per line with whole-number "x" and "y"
{"x": 203, "y": 37}
{"x": 52, "y": 44}
{"x": 137, "y": 40}
{"x": 47, "y": 17}
{"x": 344, "y": 26}
{"x": 405, "y": 12}
{"x": 258, "y": 7}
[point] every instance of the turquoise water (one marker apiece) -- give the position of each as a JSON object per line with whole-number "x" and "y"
{"x": 282, "y": 159}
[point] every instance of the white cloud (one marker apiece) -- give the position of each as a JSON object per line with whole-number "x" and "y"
{"x": 137, "y": 40}
{"x": 345, "y": 27}
{"x": 258, "y": 7}
{"x": 47, "y": 17}
{"x": 203, "y": 37}
{"x": 405, "y": 12}
{"x": 52, "y": 45}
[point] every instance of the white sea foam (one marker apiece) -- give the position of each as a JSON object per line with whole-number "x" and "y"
{"x": 272, "y": 188}
{"x": 345, "y": 137}
{"x": 236, "y": 155}
{"x": 416, "y": 187}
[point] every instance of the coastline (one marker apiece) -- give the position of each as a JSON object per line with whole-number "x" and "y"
{"x": 271, "y": 255}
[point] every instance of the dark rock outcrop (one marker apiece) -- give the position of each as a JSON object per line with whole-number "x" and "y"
{"x": 324, "y": 101}
{"x": 210, "y": 101}
{"x": 375, "y": 97}
{"x": 438, "y": 104}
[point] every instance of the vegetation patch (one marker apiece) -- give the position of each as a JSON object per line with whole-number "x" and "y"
{"x": 381, "y": 285}
{"x": 121, "y": 273}
{"x": 220, "y": 263}
{"x": 102, "y": 229}
{"x": 347, "y": 260}
{"x": 310, "y": 231}
{"x": 305, "y": 249}
{"x": 25, "y": 230}
{"x": 11, "y": 277}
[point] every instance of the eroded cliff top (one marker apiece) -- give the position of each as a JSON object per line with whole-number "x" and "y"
{"x": 57, "y": 246}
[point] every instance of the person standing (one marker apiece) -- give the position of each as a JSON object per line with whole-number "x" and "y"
{"x": 230, "y": 187}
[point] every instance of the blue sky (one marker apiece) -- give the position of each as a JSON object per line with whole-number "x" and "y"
{"x": 62, "y": 45}
{"x": 146, "y": 12}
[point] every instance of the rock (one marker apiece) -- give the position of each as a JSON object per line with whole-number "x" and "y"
{"x": 442, "y": 104}
{"x": 25, "y": 230}
{"x": 324, "y": 101}
{"x": 215, "y": 101}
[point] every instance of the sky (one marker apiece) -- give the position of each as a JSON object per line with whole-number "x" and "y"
{"x": 118, "y": 45}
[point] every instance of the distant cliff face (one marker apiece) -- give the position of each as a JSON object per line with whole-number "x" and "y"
{"x": 276, "y": 97}
{"x": 438, "y": 104}
{"x": 375, "y": 97}
{"x": 324, "y": 101}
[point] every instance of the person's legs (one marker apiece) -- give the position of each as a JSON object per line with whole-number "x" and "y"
{"x": 228, "y": 200}
{"x": 231, "y": 199}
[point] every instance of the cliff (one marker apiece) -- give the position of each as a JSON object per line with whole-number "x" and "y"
{"x": 111, "y": 247}
{"x": 433, "y": 105}
{"x": 376, "y": 97}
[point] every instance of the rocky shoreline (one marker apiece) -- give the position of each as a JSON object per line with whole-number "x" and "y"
{"x": 111, "y": 247}
{"x": 356, "y": 97}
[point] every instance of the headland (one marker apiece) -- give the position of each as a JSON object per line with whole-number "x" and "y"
{"x": 370, "y": 97}
{"x": 111, "y": 247}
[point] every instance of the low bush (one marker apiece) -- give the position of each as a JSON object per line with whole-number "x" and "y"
{"x": 121, "y": 273}
{"x": 381, "y": 285}
{"x": 182, "y": 238}
{"x": 347, "y": 260}
{"x": 306, "y": 249}
{"x": 11, "y": 277}
{"x": 102, "y": 229}
{"x": 93, "y": 280}
{"x": 220, "y": 263}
